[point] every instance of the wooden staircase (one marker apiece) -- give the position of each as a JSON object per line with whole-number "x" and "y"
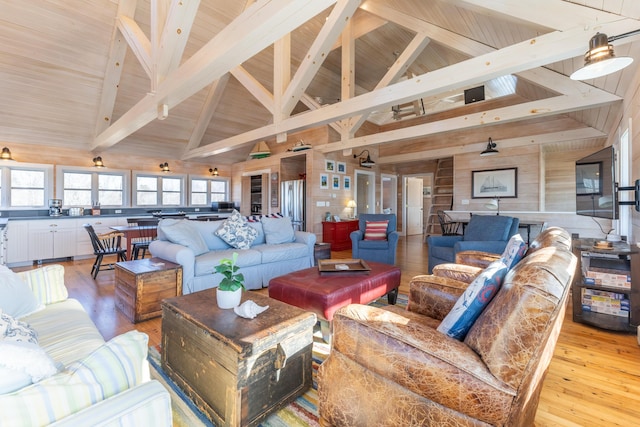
{"x": 442, "y": 195}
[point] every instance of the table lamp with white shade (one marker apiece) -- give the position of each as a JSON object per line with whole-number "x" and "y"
{"x": 493, "y": 204}
{"x": 352, "y": 204}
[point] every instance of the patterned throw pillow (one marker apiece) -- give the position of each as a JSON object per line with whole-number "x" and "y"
{"x": 15, "y": 330}
{"x": 474, "y": 299}
{"x": 515, "y": 250}
{"x": 235, "y": 231}
{"x": 376, "y": 230}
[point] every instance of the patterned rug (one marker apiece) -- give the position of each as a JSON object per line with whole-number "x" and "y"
{"x": 302, "y": 412}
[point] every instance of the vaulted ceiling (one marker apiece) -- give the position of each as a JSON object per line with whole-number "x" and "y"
{"x": 209, "y": 79}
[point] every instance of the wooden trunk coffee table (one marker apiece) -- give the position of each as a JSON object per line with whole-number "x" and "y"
{"x": 237, "y": 370}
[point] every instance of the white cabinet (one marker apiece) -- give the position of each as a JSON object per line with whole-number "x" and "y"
{"x": 17, "y": 244}
{"x": 52, "y": 239}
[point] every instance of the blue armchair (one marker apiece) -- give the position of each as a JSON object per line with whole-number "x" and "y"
{"x": 487, "y": 233}
{"x": 375, "y": 250}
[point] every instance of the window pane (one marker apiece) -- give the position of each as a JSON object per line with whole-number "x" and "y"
{"x": 27, "y": 197}
{"x": 110, "y": 198}
{"x": 199, "y": 186}
{"x": 171, "y": 199}
{"x": 218, "y": 186}
{"x": 199, "y": 198}
{"x": 147, "y": 183}
{"x": 77, "y": 197}
{"x": 146, "y": 198}
{"x": 27, "y": 179}
{"x": 215, "y": 197}
{"x": 110, "y": 182}
{"x": 170, "y": 184}
{"x": 77, "y": 180}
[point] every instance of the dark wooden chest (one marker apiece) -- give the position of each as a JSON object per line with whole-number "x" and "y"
{"x": 237, "y": 370}
{"x": 140, "y": 285}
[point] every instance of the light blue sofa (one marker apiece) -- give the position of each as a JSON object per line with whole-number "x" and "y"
{"x": 487, "y": 233}
{"x": 259, "y": 264}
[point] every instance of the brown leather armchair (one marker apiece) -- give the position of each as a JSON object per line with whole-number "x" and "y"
{"x": 392, "y": 367}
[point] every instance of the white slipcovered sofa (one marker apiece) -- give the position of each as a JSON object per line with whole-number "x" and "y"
{"x": 55, "y": 367}
{"x": 273, "y": 249}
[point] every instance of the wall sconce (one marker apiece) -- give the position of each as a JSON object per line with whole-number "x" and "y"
{"x": 164, "y": 167}
{"x": 365, "y": 163}
{"x": 213, "y": 172}
{"x": 491, "y": 148}
{"x": 600, "y": 59}
{"x": 6, "y": 154}
{"x": 97, "y": 162}
{"x": 493, "y": 204}
{"x": 352, "y": 204}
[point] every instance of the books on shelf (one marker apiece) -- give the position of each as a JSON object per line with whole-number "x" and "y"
{"x": 607, "y": 277}
{"x": 606, "y": 302}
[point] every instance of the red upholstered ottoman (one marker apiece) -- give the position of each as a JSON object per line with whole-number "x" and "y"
{"x": 325, "y": 294}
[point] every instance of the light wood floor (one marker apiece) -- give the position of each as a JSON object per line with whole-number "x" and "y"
{"x": 593, "y": 380}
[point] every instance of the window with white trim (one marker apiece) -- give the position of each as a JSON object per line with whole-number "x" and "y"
{"x": 25, "y": 185}
{"x": 207, "y": 190}
{"x": 158, "y": 190}
{"x": 83, "y": 187}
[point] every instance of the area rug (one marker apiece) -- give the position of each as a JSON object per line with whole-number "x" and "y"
{"x": 302, "y": 412}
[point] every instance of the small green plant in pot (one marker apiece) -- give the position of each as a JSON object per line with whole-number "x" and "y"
{"x": 230, "y": 289}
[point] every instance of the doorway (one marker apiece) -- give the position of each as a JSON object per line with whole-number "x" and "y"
{"x": 365, "y": 191}
{"x": 414, "y": 205}
{"x": 389, "y": 193}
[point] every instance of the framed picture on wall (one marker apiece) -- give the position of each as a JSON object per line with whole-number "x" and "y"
{"x": 346, "y": 182}
{"x": 492, "y": 183}
{"x": 324, "y": 181}
{"x": 342, "y": 167}
{"x": 335, "y": 182}
{"x": 329, "y": 165}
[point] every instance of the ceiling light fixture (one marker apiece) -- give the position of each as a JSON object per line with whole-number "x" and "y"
{"x": 491, "y": 148}
{"x": 365, "y": 162}
{"x": 600, "y": 59}
{"x": 164, "y": 167}
{"x": 214, "y": 171}
{"x": 97, "y": 162}
{"x": 6, "y": 154}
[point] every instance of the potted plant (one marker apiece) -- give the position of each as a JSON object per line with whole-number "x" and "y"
{"x": 229, "y": 291}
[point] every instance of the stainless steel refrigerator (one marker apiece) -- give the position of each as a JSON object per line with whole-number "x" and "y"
{"x": 292, "y": 204}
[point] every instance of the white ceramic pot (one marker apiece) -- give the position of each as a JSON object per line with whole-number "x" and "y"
{"x": 228, "y": 299}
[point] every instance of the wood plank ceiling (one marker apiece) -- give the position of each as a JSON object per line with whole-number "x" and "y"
{"x": 202, "y": 79}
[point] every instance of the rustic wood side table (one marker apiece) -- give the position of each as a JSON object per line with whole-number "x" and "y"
{"x": 142, "y": 284}
{"x": 237, "y": 370}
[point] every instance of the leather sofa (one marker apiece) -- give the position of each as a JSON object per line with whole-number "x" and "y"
{"x": 487, "y": 233}
{"x": 391, "y": 367}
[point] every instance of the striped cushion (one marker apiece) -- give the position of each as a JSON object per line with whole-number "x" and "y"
{"x": 116, "y": 366}
{"x": 376, "y": 230}
{"x": 258, "y": 218}
{"x": 46, "y": 283}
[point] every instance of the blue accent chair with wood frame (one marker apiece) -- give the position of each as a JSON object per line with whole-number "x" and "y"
{"x": 487, "y": 233}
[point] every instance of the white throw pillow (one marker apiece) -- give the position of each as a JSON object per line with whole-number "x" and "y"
{"x": 16, "y": 298}
{"x": 277, "y": 230}
{"x": 28, "y": 358}
{"x": 184, "y": 234}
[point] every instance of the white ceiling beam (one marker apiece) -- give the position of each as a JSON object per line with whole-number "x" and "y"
{"x": 363, "y": 23}
{"x": 528, "y": 110}
{"x": 214, "y": 96}
{"x": 312, "y": 104}
{"x": 399, "y": 68}
{"x": 175, "y": 35}
{"x": 320, "y": 48}
{"x": 348, "y": 74}
{"x": 281, "y": 79}
{"x": 254, "y": 87}
{"x": 137, "y": 40}
{"x": 522, "y": 56}
{"x": 505, "y": 144}
{"x": 113, "y": 72}
{"x": 256, "y": 28}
